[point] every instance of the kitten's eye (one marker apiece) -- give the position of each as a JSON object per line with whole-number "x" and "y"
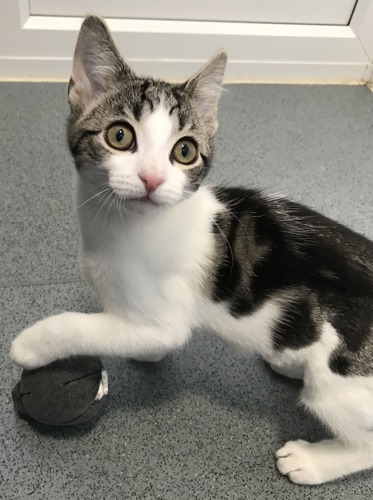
{"x": 185, "y": 151}
{"x": 120, "y": 136}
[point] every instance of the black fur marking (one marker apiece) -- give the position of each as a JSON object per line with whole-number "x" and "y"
{"x": 179, "y": 97}
{"x": 228, "y": 282}
{"x": 173, "y": 109}
{"x": 353, "y": 318}
{"x": 277, "y": 271}
{"x": 288, "y": 250}
{"x": 336, "y": 253}
{"x": 229, "y": 272}
{"x": 142, "y": 100}
{"x": 183, "y": 119}
{"x": 296, "y": 328}
{"x": 340, "y": 364}
{"x": 74, "y": 146}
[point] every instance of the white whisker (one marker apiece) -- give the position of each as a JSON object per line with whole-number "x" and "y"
{"x": 111, "y": 204}
{"x": 92, "y": 197}
{"x": 119, "y": 206}
{"x": 227, "y": 243}
{"x": 101, "y": 207}
{"x": 235, "y": 216}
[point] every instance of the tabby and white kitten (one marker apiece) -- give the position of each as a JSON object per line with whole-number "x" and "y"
{"x": 166, "y": 256}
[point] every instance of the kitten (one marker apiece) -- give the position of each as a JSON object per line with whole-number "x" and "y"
{"x": 166, "y": 255}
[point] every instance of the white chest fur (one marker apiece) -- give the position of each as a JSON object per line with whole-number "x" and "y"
{"x": 145, "y": 264}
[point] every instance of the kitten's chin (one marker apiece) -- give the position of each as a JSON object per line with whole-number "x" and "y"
{"x": 147, "y": 205}
{"x": 141, "y": 205}
{"x": 151, "y": 202}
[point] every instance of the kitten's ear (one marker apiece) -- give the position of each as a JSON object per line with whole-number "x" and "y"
{"x": 97, "y": 64}
{"x": 205, "y": 89}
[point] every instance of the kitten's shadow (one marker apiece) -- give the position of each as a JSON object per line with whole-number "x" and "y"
{"x": 65, "y": 431}
{"x": 208, "y": 368}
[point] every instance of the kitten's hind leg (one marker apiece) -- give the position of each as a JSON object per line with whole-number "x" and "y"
{"x": 344, "y": 404}
{"x": 316, "y": 463}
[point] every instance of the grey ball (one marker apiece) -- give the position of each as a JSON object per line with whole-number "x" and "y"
{"x": 65, "y": 392}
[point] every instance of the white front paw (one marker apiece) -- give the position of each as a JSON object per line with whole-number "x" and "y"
{"x": 34, "y": 347}
{"x": 297, "y": 461}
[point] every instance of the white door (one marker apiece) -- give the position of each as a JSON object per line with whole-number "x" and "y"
{"x": 326, "y": 41}
{"x": 334, "y": 12}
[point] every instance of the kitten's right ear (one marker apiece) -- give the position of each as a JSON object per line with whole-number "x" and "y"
{"x": 205, "y": 89}
{"x": 97, "y": 64}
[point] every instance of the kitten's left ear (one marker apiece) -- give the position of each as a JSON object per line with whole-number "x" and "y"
{"x": 205, "y": 89}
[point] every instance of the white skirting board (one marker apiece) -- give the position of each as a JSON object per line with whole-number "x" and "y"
{"x": 41, "y": 47}
{"x": 33, "y": 69}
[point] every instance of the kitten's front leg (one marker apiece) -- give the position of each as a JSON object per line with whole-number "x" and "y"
{"x": 102, "y": 334}
{"x": 288, "y": 370}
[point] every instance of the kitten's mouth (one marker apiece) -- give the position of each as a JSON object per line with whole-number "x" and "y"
{"x": 146, "y": 199}
{"x": 143, "y": 200}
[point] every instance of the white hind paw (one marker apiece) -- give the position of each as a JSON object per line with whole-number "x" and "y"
{"x": 297, "y": 461}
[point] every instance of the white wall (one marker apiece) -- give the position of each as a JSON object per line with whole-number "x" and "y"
{"x": 41, "y": 47}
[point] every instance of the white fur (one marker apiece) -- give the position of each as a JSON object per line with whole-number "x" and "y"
{"x": 252, "y": 333}
{"x": 148, "y": 270}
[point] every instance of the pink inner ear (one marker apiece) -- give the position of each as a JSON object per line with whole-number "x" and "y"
{"x": 81, "y": 85}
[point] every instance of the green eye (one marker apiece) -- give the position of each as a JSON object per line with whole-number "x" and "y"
{"x": 185, "y": 151}
{"x": 120, "y": 136}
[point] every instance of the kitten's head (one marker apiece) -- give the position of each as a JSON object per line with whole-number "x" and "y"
{"x": 148, "y": 141}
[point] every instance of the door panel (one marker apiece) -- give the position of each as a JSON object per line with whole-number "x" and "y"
{"x": 41, "y": 47}
{"x": 334, "y": 12}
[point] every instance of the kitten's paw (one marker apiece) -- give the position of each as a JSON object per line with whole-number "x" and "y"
{"x": 297, "y": 461}
{"x": 34, "y": 347}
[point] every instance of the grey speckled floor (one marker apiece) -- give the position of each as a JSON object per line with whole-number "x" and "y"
{"x": 205, "y": 423}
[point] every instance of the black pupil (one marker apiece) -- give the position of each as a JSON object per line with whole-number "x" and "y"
{"x": 119, "y": 135}
{"x": 185, "y": 150}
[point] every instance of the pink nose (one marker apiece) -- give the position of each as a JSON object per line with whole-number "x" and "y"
{"x": 151, "y": 181}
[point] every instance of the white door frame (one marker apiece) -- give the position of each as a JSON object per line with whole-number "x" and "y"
{"x": 361, "y": 25}
{"x": 41, "y": 47}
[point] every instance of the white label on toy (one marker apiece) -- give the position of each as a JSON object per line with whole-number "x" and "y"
{"x": 104, "y": 386}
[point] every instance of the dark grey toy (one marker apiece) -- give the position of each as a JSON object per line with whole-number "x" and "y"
{"x": 66, "y": 392}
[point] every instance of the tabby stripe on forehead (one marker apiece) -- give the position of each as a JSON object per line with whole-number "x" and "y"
{"x": 173, "y": 109}
{"x": 139, "y": 106}
{"x": 179, "y": 97}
